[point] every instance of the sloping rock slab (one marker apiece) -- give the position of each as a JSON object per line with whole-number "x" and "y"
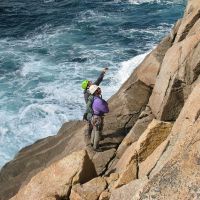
{"x": 154, "y": 135}
{"x": 146, "y": 166}
{"x": 39, "y": 155}
{"x": 56, "y": 180}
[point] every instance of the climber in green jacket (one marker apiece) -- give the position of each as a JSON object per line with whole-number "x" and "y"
{"x": 85, "y": 85}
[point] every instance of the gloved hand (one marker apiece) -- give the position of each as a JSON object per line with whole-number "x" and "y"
{"x": 105, "y": 69}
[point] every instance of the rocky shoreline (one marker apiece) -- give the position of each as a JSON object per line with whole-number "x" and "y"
{"x": 150, "y": 148}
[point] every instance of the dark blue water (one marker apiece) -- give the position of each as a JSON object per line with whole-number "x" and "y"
{"x": 47, "y": 47}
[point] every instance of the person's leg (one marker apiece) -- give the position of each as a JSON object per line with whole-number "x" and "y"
{"x": 92, "y": 122}
{"x": 92, "y": 136}
{"x": 98, "y": 131}
{"x": 90, "y": 127}
{"x": 101, "y": 128}
{"x": 88, "y": 131}
{"x": 96, "y": 138}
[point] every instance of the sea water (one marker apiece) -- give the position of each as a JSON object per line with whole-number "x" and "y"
{"x": 48, "y": 47}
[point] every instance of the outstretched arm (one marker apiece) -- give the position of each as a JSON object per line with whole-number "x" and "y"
{"x": 100, "y": 78}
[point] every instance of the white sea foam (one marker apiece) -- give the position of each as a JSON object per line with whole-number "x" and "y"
{"x": 91, "y": 15}
{"x": 49, "y": 1}
{"x": 125, "y": 70}
{"x": 143, "y": 1}
{"x": 138, "y": 2}
{"x": 160, "y": 30}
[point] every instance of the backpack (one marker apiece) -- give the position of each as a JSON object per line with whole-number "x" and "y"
{"x": 89, "y": 111}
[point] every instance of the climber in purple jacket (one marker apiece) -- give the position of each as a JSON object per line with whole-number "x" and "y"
{"x": 99, "y": 107}
{"x": 85, "y": 85}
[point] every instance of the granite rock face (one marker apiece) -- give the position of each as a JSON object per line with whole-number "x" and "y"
{"x": 171, "y": 88}
{"x": 150, "y": 147}
{"x": 176, "y": 175}
{"x": 191, "y": 17}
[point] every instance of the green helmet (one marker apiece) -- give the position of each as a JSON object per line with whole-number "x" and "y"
{"x": 85, "y": 84}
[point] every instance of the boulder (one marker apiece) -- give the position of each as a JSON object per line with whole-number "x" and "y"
{"x": 127, "y": 175}
{"x": 126, "y": 105}
{"x": 88, "y": 191}
{"x": 105, "y": 195}
{"x": 152, "y": 137}
{"x": 56, "y": 180}
{"x": 102, "y": 159}
{"x": 126, "y": 168}
{"x": 126, "y": 192}
{"x": 129, "y": 155}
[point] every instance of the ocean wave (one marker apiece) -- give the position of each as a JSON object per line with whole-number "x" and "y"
{"x": 49, "y": 1}
{"x": 92, "y": 16}
{"x": 143, "y": 1}
{"x": 156, "y": 31}
{"x": 138, "y": 2}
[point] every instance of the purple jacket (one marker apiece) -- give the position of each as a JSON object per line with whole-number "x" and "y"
{"x": 100, "y": 106}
